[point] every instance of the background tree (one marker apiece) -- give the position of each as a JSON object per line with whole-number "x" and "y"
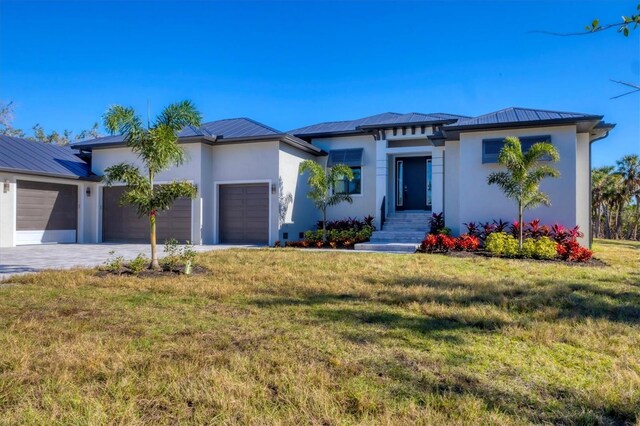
{"x": 6, "y": 121}
{"x": 157, "y": 147}
{"x": 322, "y": 182}
{"x": 525, "y": 171}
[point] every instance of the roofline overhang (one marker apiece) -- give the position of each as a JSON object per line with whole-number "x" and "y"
{"x": 92, "y": 178}
{"x": 215, "y": 141}
{"x": 520, "y": 124}
{"x": 414, "y": 123}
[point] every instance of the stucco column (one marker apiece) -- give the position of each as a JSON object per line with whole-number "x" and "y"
{"x": 7, "y": 210}
{"x": 437, "y": 179}
{"x": 381, "y": 178}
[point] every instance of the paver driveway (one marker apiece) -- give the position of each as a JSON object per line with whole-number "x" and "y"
{"x": 23, "y": 259}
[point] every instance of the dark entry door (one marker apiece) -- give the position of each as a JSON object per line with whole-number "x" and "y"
{"x": 411, "y": 183}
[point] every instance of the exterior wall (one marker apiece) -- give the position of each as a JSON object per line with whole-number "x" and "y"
{"x": 452, "y": 187}
{"x": 246, "y": 163}
{"x": 364, "y": 204}
{"x": 190, "y": 170}
{"x": 583, "y": 186}
{"x": 87, "y": 207}
{"x": 296, "y": 211}
{"x": 478, "y": 201}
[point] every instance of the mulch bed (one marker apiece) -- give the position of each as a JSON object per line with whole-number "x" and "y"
{"x": 481, "y": 253}
{"x": 150, "y": 273}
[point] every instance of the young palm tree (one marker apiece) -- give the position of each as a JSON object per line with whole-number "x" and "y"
{"x": 157, "y": 148}
{"x": 525, "y": 171}
{"x": 322, "y": 182}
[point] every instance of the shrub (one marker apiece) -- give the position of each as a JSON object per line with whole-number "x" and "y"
{"x": 437, "y": 243}
{"x": 436, "y": 223}
{"x": 467, "y": 242}
{"x": 502, "y": 244}
{"x": 340, "y": 236}
{"x": 139, "y": 264}
{"x": 114, "y": 263}
{"x": 573, "y": 252}
{"x": 539, "y": 248}
{"x": 171, "y": 258}
{"x": 348, "y": 224}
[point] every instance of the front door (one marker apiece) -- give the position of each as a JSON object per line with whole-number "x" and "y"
{"x": 413, "y": 183}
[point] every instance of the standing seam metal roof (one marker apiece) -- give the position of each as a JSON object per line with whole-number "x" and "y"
{"x": 520, "y": 115}
{"x": 22, "y": 155}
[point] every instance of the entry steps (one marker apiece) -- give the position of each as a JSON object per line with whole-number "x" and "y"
{"x": 401, "y": 232}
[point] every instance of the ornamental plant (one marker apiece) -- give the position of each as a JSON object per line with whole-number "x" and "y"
{"x": 573, "y": 252}
{"x": 467, "y": 242}
{"x": 439, "y": 243}
{"x": 539, "y": 248}
{"x": 521, "y": 181}
{"x": 502, "y": 244}
{"x": 157, "y": 147}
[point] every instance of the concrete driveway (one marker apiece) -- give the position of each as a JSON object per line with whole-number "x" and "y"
{"x": 24, "y": 259}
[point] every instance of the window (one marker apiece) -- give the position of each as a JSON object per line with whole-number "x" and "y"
{"x": 350, "y": 157}
{"x": 491, "y": 147}
{"x": 351, "y": 187}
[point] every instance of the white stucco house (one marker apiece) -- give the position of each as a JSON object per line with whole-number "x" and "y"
{"x": 249, "y": 189}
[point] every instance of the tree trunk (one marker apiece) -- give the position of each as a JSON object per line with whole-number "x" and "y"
{"x": 154, "y": 252}
{"x": 324, "y": 225}
{"x": 607, "y": 223}
{"x": 521, "y": 225}
{"x": 619, "y": 230}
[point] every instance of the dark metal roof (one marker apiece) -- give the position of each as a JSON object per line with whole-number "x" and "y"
{"x": 31, "y": 157}
{"x": 379, "y": 120}
{"x": 520, "y": 116}
{"x": 221, "y": 129}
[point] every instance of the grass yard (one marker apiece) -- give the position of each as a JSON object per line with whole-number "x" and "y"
{"x": 301, "y": 337}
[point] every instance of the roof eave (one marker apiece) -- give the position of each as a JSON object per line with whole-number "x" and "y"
{"x": 415, "y": 123}
{"x": 520, "y": 124}
{"x": 92, "y": 178}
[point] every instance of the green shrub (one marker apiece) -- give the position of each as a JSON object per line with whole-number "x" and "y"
{"x": 501, "y": 244}
{"x": 114, "y": 263}
{"x": 139, "y": 264}
{"x": 539, "y": 248}
{"x": 171, "y": 258}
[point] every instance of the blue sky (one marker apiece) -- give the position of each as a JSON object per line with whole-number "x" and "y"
{"x": 290, "y": 64}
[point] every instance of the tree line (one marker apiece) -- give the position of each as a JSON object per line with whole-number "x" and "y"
{"x": 38, "y": 132}
{"x": 615, "y": 199}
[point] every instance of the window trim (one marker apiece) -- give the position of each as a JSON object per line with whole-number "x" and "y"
{"x": 493, "y": 159}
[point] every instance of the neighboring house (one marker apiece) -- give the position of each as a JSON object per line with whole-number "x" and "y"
{"x": 250, "y": 191}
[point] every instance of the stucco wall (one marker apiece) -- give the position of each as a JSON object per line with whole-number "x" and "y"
{"x": 452, "y": 186}
{"x": 477, "y": 201}
{"x": 364, "y": 204}
{"x": 298, "y": 210}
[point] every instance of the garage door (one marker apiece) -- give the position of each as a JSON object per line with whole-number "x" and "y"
{"x": 121, "y": 224}
{"x": 244, "y": 214}
{"x": 46, "y": 213}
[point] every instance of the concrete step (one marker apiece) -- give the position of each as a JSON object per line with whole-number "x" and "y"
{"x": 387, "y": 247}
{"x": 404, "y": 227}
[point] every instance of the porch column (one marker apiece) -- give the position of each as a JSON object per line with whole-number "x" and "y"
{"x": 381, "y": 178}
{"x": 437, "y": 179}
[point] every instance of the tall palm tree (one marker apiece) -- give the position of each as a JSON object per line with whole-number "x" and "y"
{"x": 322, "y": 182}
{"x": 525, "y": 171}
{"x": 158, "y": 149}
{"x": 600, "y": 182}
{"x": 629, "y": 169}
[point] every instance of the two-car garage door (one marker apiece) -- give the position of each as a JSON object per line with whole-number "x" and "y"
{"x": 46, "y": 213}
{"x": 121, "y": 223}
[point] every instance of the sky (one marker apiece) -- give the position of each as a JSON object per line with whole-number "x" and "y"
{"x": 293, "y": 63}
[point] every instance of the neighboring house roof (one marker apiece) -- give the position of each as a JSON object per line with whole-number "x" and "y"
{"x": 30, "y": 157}
{"x": 217, "y": 133}
{"x": 386, "y": 119}
{"x": 520, "y": 117}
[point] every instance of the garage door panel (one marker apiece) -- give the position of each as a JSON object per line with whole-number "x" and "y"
{"x": 122, "y": 223}
{"x": 43, "y": 206}
{"x": 244, "y": 213}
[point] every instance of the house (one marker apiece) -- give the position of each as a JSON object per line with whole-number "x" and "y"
{"x": 250, "y": 192}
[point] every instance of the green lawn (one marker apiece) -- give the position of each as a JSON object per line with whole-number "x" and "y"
{"x": 301, "y": 337}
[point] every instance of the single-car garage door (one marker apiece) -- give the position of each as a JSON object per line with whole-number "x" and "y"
{"x": 46, "y": 213}
{"x": 121, "y": 223}
{"x": 244, "y": 214}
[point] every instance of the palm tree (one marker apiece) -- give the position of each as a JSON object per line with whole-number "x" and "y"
{"x": 525, "y": 171}
{"x": 322, "y": 182}
{"x": 629, "y": 170}
{"x": 157, "y": 148}
{"x": 600, "y": 183}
